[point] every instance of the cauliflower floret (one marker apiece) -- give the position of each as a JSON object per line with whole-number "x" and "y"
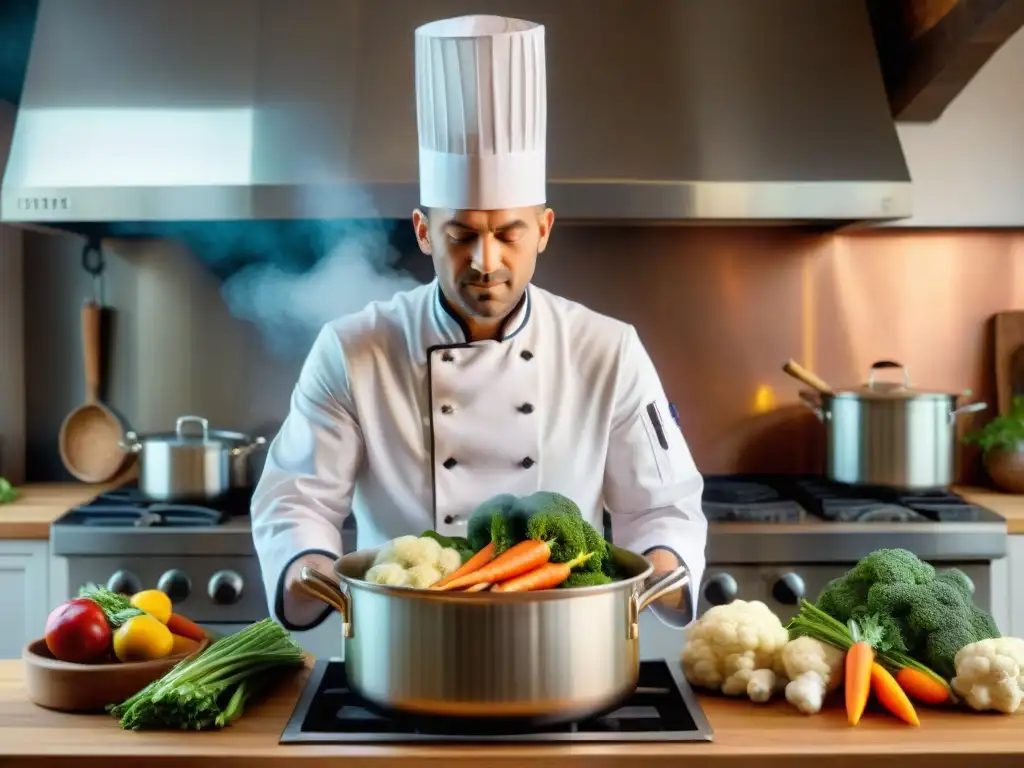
{"x": 813, "y": 669}
{"x": 389, "y": 574}
{"x": 449, "y": 561}
{"x": 423, "y": 575}
{"x": 990, "y": 674}
{"x": 735, "y": 648}
{"x": 408, "y": 551}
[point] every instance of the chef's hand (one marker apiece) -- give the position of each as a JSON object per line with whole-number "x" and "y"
{"x": 300, "y": 608}
{"x": 664, "y": 561}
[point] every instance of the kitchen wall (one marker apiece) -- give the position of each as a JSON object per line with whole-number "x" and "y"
{"x": 719, "y": 310}
{"x": 12, "y": 335}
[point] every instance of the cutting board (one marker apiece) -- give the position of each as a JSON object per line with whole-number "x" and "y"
{"x": 1009, "y": 357}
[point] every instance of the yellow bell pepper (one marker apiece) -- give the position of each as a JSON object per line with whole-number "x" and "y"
{"x": 142, "y": 638}
{"x": 155, "y": 603}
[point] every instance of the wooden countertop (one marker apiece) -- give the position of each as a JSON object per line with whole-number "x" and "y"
{"x": 1006, "y": 505}
{"x": 39, "y": 504}
{"x": 746, "y": 735}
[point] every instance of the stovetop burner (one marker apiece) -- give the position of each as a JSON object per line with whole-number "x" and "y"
{"x": 781, "y": 498}
{"x": 128, "y": 507}
{"x": 662, "y": 709}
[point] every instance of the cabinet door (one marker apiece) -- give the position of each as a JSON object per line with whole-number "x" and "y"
{"x": 24, "y": 594}
{"x": 1015, "y": 586}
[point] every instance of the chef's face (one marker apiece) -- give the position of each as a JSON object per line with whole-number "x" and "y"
{"x": 484, "y": 259}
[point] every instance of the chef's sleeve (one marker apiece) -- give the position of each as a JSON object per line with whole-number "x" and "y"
{"x": 305, "y": 491}
{"x": 652, "y": 488}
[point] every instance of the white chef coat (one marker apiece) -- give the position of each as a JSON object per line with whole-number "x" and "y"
{"x": 397, "y": 419}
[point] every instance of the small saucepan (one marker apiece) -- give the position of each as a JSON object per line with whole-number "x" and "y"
{"x": 192, "y": 462}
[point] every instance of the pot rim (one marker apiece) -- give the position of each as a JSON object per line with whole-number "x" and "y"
{"x": 624, "y": 558}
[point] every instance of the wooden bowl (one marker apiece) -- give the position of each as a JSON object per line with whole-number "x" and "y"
{"x": 69, "y": 687}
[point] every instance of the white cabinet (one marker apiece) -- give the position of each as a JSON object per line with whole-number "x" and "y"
{"x": 1015, "y": 586}
{"x": 24, "y": 593}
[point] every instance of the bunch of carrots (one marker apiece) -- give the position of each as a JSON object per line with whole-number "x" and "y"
{"x": 524, "y": 567}
{"x": 867, "y": 670}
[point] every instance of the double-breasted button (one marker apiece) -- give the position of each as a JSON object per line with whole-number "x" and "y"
{"x": 526, "y": 354}
{"x": 525, "y": 408}
{"x": 527, "y": 462}
{"x": 446, "y": 409}
{"x": 447, "y": 356}
{"x": 450, "y": 463}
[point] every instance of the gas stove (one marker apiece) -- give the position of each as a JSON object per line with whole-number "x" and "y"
{"x": 780, "y": 538}
{"x": 663, "y": 708}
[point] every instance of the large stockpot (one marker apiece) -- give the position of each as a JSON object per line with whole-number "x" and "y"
{"x": 539, "y": 657}
{"x": 191, "y": 463}
{"x": 889, "y": 433}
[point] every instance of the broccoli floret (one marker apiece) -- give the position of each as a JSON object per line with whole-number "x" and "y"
{"x": 585, "y": 579}
{"x": 565, "y": 534}
{"x": 495, "y": 515}
{"x": 925, "y": 614}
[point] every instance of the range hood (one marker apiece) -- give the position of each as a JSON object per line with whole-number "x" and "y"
{"x": 141, "y": 114}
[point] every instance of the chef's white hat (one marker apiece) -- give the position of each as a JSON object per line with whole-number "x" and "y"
{"x": 481, "y": 108}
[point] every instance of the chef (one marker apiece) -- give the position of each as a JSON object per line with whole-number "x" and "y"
{"x": 411, "y": 412}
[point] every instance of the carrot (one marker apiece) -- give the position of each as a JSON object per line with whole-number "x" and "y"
{"x": 546, "y": 576}
{"x": 927, "y": 689}
{"x": 179, "y": 625}
{"x": 859, "y": 659}
{"x": 483, "y": 586}
{"x": 890, "y": 695}
{"x": 476, "y": 562}
{"x": 523, "y": 557}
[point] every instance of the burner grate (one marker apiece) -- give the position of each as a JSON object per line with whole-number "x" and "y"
{"x": 663, "y": 708}
{"x": 736, "y": 500}
{"x": 127, "y": 507}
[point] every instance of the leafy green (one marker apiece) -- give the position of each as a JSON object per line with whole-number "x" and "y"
{"x": 117, "y": 607}
{"x": 1003, "y": 432}
{"x": 585, "y": 579}
{"x": 7, "y": 491}
{"x": 210, "y": 689}
{"x": 457, "y": 543}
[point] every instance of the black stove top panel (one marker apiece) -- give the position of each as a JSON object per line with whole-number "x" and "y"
{"x": 128, "y": 507}
{"x": 780, "y": 498}
{"x": 663, "y": 708}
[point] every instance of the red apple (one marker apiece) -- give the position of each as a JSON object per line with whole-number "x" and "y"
{"x": 77, "y": 631}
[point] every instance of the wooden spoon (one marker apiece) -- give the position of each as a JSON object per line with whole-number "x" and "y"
{"x": 90, "y": 436}
{"x": 798, "y": 372}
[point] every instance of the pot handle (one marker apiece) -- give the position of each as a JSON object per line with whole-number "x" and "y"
{"x": 183, "y": 420}
{"x": 315, "y": 584}
{"x": 965, "y": 409}
{"x": 888, "y": 364}
{"x": 813, "y": 401}
{"x": 245, "y": 450}
{"x": 131, "y": 443}
{"x": 671, "y": 581}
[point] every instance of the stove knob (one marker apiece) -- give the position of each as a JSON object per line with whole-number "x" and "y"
{"x": 175, "y": 584}
{"x": 225, "y": 587}
{"x": 721, "y": 589}
{"x": 124, "y": 583}
{"x": 789, "y": 589}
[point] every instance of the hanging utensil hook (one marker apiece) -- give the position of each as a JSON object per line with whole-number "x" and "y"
{"x": 94, "y": 263}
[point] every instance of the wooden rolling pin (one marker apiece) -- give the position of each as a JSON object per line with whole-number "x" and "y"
{"x": 798, "y": 372}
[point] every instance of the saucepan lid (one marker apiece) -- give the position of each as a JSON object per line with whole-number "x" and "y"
{"x": 877, "y": 388}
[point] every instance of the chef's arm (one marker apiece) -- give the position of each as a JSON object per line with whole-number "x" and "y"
{"x": 305, "y": 492}
{"x": 652, "y": 487}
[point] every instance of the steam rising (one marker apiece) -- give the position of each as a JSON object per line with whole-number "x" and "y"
{"x": 355, "y": 264}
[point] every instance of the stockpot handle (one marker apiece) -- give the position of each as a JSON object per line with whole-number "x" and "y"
{"x": 881, "y": 364}
{"x": 814, "y": 401}
{"x": 245, "y": 450}
{"x": 965, "y": 409}
{"x": 661, "y": 586}
{"x": 179, "y": 426}
{"x": 130, "y": 443}
{"x": 326, "y": 590}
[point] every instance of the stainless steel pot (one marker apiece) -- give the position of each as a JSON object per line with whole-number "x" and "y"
{"x": 186, "y": 464}
{"x": 889, "y": 433}
{"x": 548, "y": 656}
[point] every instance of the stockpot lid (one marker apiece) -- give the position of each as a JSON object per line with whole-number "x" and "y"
{"x": 900, "y": 389}
{"x": 195, "y": 432}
